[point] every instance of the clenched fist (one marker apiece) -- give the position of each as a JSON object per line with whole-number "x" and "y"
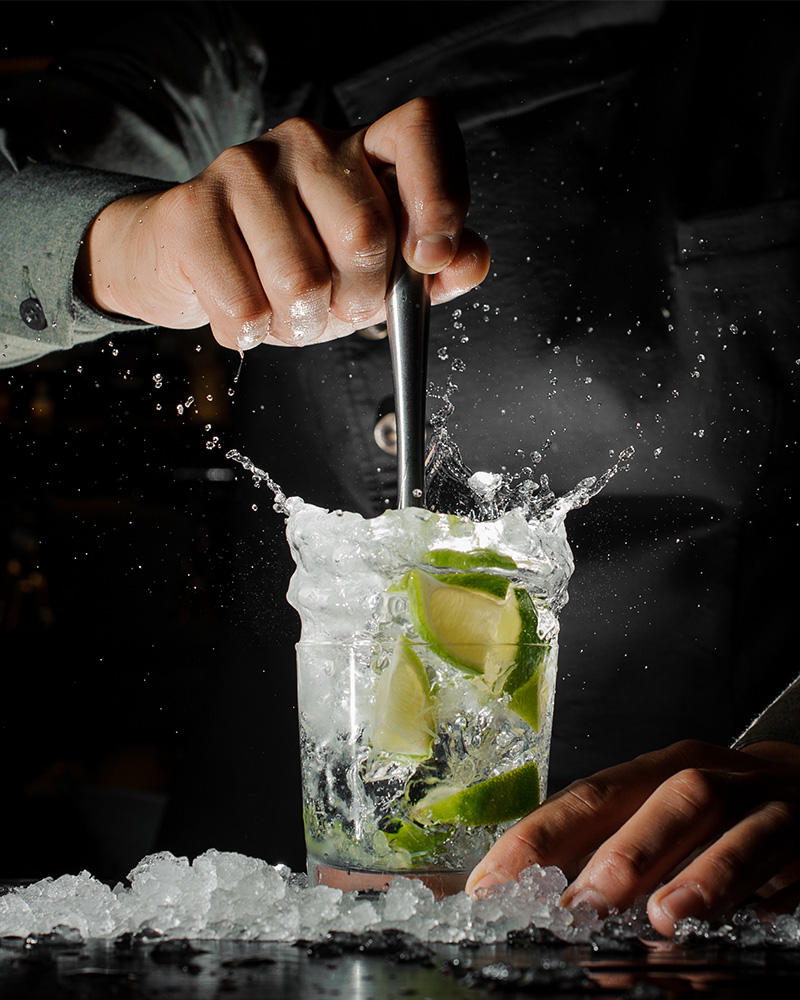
{"x": 290, "y": 237}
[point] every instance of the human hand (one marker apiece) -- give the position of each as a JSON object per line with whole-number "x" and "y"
{"x": 291, "y": 236}
{"x": 715, "y": 825}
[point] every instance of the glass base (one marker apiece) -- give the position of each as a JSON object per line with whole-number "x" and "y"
{"x": 357, "y": 879}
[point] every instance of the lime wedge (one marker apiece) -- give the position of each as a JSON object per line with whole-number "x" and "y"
{"x": 500, "y": 799}
{"x": 523, "y": 681}
{"x": 405, "y": 720}
{"x": 416, "y": 841}
{"x": 471, "y": 560}
{"x": 472, "y": 620}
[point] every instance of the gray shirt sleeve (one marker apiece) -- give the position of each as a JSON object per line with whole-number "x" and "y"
{"x": 142, "y": 108}
{"x": 39, "y": 311}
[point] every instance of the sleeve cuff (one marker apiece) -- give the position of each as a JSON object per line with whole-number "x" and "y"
{"x": 44, "y": 212}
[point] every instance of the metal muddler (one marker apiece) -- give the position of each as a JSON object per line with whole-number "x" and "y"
{"x": 407, "y": 318}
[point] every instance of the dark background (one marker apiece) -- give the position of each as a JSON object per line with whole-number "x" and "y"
{"x": 115, "y": 577}
{"x": 135, "y": 646}
{"x": 145, "y": 659}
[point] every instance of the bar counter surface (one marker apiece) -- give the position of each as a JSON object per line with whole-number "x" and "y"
{"x": 387, "y": 968}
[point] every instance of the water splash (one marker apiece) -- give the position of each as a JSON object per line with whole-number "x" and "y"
{"x": 282, "y": 504}
{"x": 451, "y": 487}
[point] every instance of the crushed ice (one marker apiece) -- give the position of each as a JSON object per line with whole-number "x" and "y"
{"x": 231, "y": 896}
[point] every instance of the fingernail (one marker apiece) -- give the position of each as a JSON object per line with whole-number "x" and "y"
{"x": 307, "y": 318}
{"x": 591, "y": 897}
{"x": 253, "y": 334}
{"x": 433, "y": 252}
{"x": 685, "y": 901}
{"x": 489, "y": 881}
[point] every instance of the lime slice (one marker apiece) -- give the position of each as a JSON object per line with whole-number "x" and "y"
{"x": 405, "y": 720}
{"x": 472, "y": 620}
{"x": 500, "y": 799}
{"x": 471, "y": 560}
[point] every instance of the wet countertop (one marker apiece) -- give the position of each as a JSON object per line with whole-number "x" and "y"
{"x": 49, "y": 968}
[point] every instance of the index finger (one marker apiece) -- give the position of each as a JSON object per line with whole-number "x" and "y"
{"x": 424, "y": 144}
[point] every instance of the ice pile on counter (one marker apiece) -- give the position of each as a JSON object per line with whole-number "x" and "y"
{"x": 231, "y": 896}
{"x": 225, "y": 895}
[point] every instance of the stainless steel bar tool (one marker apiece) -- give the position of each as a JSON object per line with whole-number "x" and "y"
{"x": 407, "y": 318}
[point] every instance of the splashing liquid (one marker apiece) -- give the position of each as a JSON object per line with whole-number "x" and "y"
{"x": 511, "y": 513}
{"x": 453, "y": 488}
{"x": 282, "y": 504}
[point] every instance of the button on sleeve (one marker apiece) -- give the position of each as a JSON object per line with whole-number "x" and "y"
{"x": 32, "y": 314}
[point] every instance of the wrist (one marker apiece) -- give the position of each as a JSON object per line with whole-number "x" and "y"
{"x": 104, "y": 276}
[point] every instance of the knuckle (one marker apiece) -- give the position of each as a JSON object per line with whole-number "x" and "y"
{"x": 725, "y": 864}
{"x": 237, "y": 167}
{"x": 690, "y": 749}
{"x": 303, "y": 133}
{"x": 424, "y": 109}
{"x": 302, "y": 280}
{"x": 782, "y": 814}
{"x": 590, "y": 796}
{"x": 235, "y": 160}
{"x": 446, "y": 210}
{"x": 420, "y": 120}
{"x": 364, "y": 240}
{"x": 532, "y": 845}
{"x": 242, "y": 305}
{"x": 626, "y": 865}
{"x": 182, "y": 207}
{"x": 695, "y": 787}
